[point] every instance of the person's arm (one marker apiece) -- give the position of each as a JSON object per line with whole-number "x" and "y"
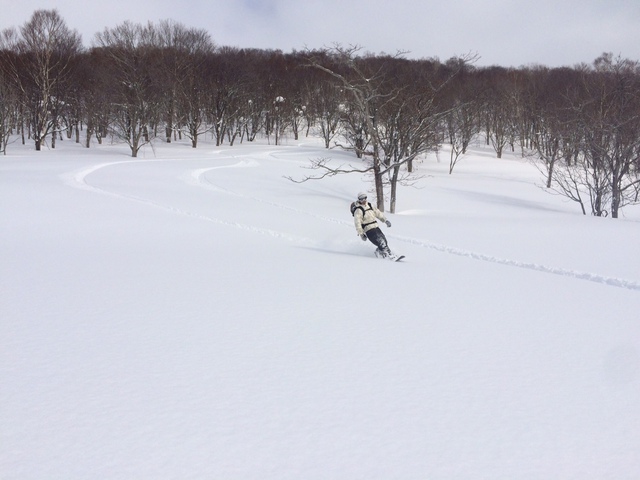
{"x": 357, "y": 220}
{"x": 380, "y": 216}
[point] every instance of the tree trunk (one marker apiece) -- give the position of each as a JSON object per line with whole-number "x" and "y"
{"x": 394, "y": 189}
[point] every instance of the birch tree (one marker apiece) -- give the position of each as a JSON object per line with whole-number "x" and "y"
{"x": 45, "y": 48}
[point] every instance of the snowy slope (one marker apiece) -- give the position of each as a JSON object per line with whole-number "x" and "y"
{"x": 192, "y": 314}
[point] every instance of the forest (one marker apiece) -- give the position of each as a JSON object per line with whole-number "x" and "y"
{"x": 162, "y": 82}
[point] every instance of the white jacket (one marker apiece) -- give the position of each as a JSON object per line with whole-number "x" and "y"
{"x": 367, "y": 221}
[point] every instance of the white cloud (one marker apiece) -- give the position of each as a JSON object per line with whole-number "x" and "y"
{"x": 508, "y": 33}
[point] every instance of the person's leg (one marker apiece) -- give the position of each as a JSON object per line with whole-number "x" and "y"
{"x": 376, "y": 237}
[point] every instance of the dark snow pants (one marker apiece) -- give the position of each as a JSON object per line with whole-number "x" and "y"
{"x": 376, "y": 237}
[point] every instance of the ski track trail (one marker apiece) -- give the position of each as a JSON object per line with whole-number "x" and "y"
{"x": 198, "y": 178}
{"x": 591, "y": 277}
{"x": 79, "y": 180}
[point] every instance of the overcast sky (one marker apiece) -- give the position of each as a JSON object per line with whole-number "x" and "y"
{"x": 501, "y": 32}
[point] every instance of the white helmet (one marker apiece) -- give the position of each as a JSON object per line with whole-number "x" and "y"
{"x": 362, "y": 196}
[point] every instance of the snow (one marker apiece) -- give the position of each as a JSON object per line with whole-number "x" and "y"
{"x": 193, "y": 314}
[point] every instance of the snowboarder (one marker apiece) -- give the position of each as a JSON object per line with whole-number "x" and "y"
{"x": 365, "y": 217}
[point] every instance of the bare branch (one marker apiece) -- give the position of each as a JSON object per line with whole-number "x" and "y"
{"x": 327, "y": 171}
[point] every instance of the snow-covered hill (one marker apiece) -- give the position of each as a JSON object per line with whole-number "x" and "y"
{"x": 192, "y": 314}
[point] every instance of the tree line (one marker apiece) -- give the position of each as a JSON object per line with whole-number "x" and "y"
{"x": 140, "y": 83}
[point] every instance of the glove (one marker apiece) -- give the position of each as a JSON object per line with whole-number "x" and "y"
{"x": 364, "y": 237}
{"x": 388, "y": 223}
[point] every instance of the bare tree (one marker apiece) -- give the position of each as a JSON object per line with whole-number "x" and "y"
{"x": 363, "y": 86}
{"x": 461, "y": 127}
{"x": 183, "y": 53}
{"x": 296, "y": 93}
{"x": 41, "y": 69}
{"x": 499, "y": 122}
{"x": 394, "y": 104}
{"x": 554, "y": 136}
{"x": 612, "y": 121}
{"x": 497, "y": 111}
{"x": 409, "y": 121}
{"x": 134, "y": 98}
{"x": 8, "y": 110}
{"x": 462, "y": 120}
{"x": 93, "y": 84}
{"x": 325, "y": 107}
{"x": 591, "y": 146}
{"x": 226, "y": 78}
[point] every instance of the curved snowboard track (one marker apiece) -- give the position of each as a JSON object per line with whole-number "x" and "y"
{"x": 198, "y": 178}
{"x": 79, "y": 180}
{"x": 591, "y": 277}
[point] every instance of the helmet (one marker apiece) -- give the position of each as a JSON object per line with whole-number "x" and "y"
{"x": 362, "y": 196}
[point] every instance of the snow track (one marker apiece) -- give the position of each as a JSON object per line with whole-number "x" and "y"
{"x": 200, "y": 178}
{"x": 591, "y": 277}
{"x": 79, "y": 180}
